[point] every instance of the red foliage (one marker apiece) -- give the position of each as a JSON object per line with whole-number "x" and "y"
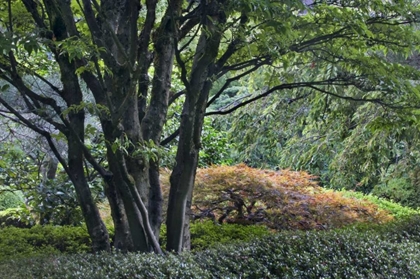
{"x": 279, "y": 199}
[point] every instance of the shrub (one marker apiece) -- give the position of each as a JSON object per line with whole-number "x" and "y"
{"x": 404, "y": 229}
{"x": 395, "y": 209}
{"x": 104, "y": 265}
{"x": 386, "y": 251}
{"x": 19, "y": 243}
{"x": 55, "y": 202}
{"x": 10, "y": 200}
{"x": 278, "y": 199}
{"x": 315, "y": 255}
{"x": 206, "y": 234}
{"x": 17, "y": 217}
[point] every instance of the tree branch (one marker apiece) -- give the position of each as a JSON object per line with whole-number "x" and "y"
{"x": 270, "y": 91}
{"x": 38, "y": 130}
{"x": 170, "y": 138}
{"x": 230, "y": 80}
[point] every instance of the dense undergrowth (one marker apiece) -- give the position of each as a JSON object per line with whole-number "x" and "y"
{"x": 382, "y": 251}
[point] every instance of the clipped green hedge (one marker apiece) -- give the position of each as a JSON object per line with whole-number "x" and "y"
{"x": 38, "y": 240}
{"x": 316, "y": 255}
{"x": 380, "y": 252}
{"x": 207, "y": 234}
{"x": 41, "y": 240}
{"x": 104, "y": 265}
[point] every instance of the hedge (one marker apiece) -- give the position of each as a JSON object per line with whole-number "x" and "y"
{"x": 389, "y": 251}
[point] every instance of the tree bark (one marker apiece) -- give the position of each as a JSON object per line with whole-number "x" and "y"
{"x": 197, "y": 91}
{"x": 155, "y": 116}
{"x": 95, "y": 226}
{"x": 122, "y": 235}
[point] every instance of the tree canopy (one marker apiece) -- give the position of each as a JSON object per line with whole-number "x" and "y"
{"x": 71, "y": 69}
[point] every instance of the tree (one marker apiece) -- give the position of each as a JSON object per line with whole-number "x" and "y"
{"x": 128, "y": 55}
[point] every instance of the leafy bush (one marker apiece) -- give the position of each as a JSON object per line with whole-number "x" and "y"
{"x": 315, "y": 255}
{"x": 400, "y": 190}
{"x": 17, "y": 217}
{"x": 278, "y": 199}
{"x": 103, "y": 265}
{"x": 406, "y": 228}
{"x": 10, "y": 200}
{"x": 55, "y": 202}
{"x": 395, "y": 209}
{"x": 19, "y": 243}
{"x": 384, "y": 251}
{"x": 207, "y": 234}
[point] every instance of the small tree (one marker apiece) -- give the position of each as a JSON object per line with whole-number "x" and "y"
{"x": 128, "y": 53}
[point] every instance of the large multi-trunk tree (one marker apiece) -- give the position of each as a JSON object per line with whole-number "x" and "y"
{"x": 135, "y": 58}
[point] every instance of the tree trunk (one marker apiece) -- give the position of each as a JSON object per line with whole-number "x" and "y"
{"x": 122, "y": 235}
{"x": 182, "y": 181}
{"x": 155, "y": 199}
{"x": 122, "y": 198}
{"x": 186, "y": 238}
{"x": 155, "y": 117}
{"x": 183, "y": 175}
{"x": 95, "y": 226}
{"x": 197, "y": 91}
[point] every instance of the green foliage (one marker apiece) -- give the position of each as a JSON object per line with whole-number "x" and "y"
{"x": 393, "y": 208}
{"x": 18, "y": 170}
{"x": 404, "y": 190}
{"x": 19, "y": 243}
{"x": 384, "y": 251}
{"x": 208, "y": 234}
{"x": 396, "y": 189}
{"x": 55, "y": 202}
{"x": 17, "y": 217}
{"x": 147, "y": 151}
{"x": 51, "y": 201}
{"x": 104, "y": 265}
{"x": 10, "y": 199}
{"x": 215, "y": 145}
{"x": 346, "y": 254}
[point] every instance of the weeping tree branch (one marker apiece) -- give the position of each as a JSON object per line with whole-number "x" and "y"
{"x": 373, "y": 100}
{"x": 274, "y": 89}
{"x": 244, "y": 64}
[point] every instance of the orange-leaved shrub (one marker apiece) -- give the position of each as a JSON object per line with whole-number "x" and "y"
{"x": 278, "y": 199}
